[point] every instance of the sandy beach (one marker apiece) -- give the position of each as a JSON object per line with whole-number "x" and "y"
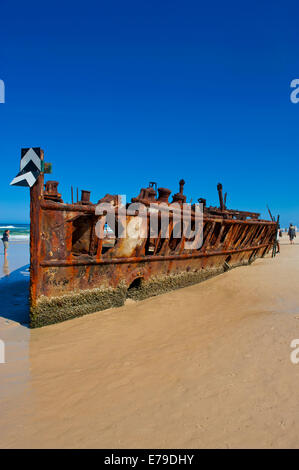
{"x": 204, "y": 366}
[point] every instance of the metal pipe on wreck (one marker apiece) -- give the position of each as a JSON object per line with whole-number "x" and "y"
{"x": 219, "y": 188}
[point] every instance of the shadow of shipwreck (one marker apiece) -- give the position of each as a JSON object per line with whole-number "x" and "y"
{"x": 14, "y": 295}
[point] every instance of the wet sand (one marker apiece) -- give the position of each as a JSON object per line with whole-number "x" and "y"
{"x": 204, "y": 366}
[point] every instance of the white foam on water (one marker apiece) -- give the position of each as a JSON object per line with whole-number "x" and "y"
{"x": 19, "y": 237}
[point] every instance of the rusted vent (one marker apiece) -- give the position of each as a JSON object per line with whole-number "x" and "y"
{"x": 85, "y": 197}
{"x": 179, "y": 197}
{"x": 164, "y": 194}
{"x": 151, "y": 194}
{"x": 51, "y": 191}
{"x": 202, "y": 201}
{"x": 146, "y": 195}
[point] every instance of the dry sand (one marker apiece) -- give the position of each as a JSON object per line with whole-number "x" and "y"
{"x": 204, "y": 366}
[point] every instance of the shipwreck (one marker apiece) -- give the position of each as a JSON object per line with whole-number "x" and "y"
{"x": 74, "y": 271}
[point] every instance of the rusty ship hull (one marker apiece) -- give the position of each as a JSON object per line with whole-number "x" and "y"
{"x": 73, "y": 272}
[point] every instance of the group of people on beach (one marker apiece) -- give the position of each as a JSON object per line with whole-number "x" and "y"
{"x": 291, "y": 234}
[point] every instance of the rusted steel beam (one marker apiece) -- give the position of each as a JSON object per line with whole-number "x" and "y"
{"x": 36, "y": 192}
{"x": 221, "y": 202}
{"x": 149, "y": 258}
{"x": 49, "y": 205}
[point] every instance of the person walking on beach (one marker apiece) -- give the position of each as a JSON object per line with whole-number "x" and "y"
{"x": 5, "y": 238}
{"x": 292, "y": 233}
{"x": 277, "y": 247}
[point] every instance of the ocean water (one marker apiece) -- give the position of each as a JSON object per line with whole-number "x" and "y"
{"x": 18, "y": 232}
{"x": 14, "y": 275}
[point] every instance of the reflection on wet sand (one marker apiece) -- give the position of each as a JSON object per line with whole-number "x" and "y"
{"x": 14, "y": 289}
{"x": 5, "y": 267}
{"x": 15, "y": 379}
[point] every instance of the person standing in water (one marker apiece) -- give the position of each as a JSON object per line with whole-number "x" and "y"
{"x": 5, "y": 238}
{"x": 292, "y": 233}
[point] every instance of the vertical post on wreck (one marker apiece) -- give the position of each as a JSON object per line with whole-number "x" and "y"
{"x": 182, "y": 184}
{"x": 219, "y": 188}
{"x": 36, "y": 192}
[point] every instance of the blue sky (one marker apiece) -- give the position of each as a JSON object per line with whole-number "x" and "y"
{"x": 121, "y": 93}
